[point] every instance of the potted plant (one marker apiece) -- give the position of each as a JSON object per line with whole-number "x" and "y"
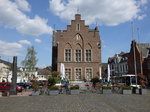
{"x": 53, "y": 90}
{"x": 106, "y": 90}
{"x": 74, "y": 89}
{"x": 94, "y": 81}
{"x": 127, "y": 90}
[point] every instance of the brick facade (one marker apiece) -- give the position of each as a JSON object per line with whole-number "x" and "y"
{"x": 142, "y": 56}
{"x": 83, "y": 46}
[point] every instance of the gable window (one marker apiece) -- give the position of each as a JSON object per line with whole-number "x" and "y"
{"x": 78, "y": 55}
{"x": 88, "y": 55}
{"x": 68, "y": 73}
{"x": 78, "y": 27}
{"x": 78, "y": 73}
{"x": 67, "y": 55}
{"x": 88, "y": 74}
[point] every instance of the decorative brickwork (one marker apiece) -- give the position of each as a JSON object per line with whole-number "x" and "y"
{"x": 78, "y": 47}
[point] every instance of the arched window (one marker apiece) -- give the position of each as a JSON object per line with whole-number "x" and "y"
{"x": 78, "y": 53}
{"x": 88, "y": 53}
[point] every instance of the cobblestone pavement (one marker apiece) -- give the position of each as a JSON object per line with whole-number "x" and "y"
{"x": 89, "y": 102}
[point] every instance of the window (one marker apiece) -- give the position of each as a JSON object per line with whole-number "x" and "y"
{"x": 78, "y": 37}
{"x": 67, "y": 54}
{"x": 78, "y": 27}
{"x": 78, "y": 73}
{"x": 78, "y": 55}
{"x": 88, "y": 55}
{"x": 88, "y": 74}
{"x": 68, "y": 73}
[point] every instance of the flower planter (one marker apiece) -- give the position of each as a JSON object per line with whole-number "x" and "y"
{"x": 53, "y": 92}
{"x": 75, "y": 91}
{"x": 137, "y": 91}
{"x": 127, "y": 91}
{"x": 143, "y": 91}
{"x": 107, "y": 91}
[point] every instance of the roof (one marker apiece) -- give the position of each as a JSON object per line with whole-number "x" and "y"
{"x": 6, "y": 63}
{"x": 121, "y": 54}
{"x": 144, "y": 48}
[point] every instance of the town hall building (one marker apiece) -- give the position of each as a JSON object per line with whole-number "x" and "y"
{"x": 78, "y": 49}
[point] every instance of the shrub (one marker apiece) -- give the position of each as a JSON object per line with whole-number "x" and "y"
{"x": 74, "y": 87}
{"x": 127, "y": 87}
{"x": 51, "y": 81}
{"x": 106, "y": 87}
{"x": 53, "y": 88}
{"x": 95, "y": 80}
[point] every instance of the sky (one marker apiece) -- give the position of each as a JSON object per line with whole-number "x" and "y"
{"x": 26, "y": 23}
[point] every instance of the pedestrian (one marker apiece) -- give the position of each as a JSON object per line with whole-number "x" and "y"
{"x": 67, "y": 86}
{"x": 25, "y": 87}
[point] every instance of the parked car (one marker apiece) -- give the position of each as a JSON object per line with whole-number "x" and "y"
{"x": 5, "y": 86}
{"x": 23, "y": 85}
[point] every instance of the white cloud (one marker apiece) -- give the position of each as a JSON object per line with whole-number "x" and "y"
{"x": 105, "y": 12}
{"x": 12, "y": 17}
{"x": 10, "y": 49}
{"x": 23, "y": 5}
{"x": 25, "y": 42}
{"x": 37, "y": 40}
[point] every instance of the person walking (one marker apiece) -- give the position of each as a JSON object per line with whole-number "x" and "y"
{"x": 67, "y": 87}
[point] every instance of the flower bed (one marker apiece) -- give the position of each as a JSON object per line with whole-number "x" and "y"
{"x": 74, "y": 87}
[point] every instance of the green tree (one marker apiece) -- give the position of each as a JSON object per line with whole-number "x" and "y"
{"x": 30, "y": 60}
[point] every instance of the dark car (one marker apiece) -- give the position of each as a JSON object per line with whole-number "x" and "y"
{"x": 5, "y": 86}
{"x": 25, "y": 85}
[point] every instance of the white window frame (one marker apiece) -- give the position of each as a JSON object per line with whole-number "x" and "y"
{"x": 86, "y": 74}
{"x": 70, "y": 72}
{"x": 65, "y": 55}
{"x": 85, "y": 55}
{"x": 75, "y": 73}
{"x": 75, "y": 55}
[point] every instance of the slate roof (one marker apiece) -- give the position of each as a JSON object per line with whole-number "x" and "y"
{"x": 144, "y": 48}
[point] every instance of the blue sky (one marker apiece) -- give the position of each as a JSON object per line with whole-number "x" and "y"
{"x": 24, "y": 23}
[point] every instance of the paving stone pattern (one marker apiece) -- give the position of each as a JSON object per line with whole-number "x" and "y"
{"x": 88, "y": 102}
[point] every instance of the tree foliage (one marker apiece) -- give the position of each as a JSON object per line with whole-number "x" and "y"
{"x": 30, "y": 60}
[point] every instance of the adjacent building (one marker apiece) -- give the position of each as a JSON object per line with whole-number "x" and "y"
{"x": 78, "y": 49}
{"x": 5, "y": 70}
{"x": 139, "y": 59}
{"x": 118, "y": 64}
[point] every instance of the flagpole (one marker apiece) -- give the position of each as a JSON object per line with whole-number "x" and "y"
{"x": 140, "y": 51}
{"x": 135, "y": 69}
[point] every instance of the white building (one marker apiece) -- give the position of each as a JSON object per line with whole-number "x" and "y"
{"x": 5, "y": 70}
{"x": 118, "y": 64}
